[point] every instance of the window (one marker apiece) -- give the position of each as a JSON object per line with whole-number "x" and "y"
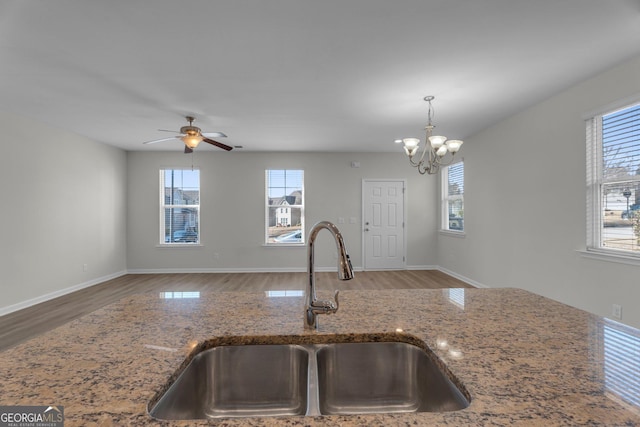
{"x": 621, "y": 348}
{"x": 284, "y": 212}
{"x": 179, "y": 206}
{"x": 453, "y": 197}
{"x": 613, "y": 181}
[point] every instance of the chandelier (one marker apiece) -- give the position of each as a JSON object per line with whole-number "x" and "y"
{"x": 434, "y": 154}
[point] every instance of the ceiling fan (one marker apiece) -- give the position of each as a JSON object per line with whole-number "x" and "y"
{"x": 192, "y": 136}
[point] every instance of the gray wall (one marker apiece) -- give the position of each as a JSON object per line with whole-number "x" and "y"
{"x": 232, "y": 209}
{"x": 64, "y": 206}
{"x": 525, "y": 204}
{"x": 69, "y": 201}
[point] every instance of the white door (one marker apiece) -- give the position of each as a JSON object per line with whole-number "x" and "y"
{"x": 383, "y": 224}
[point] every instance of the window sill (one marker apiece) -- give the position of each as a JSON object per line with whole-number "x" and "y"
{"x": 610, "y": 256}
{"x": 284, "y": 245}
{"x": 451, "y": 233}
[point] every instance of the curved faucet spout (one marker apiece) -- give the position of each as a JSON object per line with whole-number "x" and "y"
{"x": 345, "y": 272}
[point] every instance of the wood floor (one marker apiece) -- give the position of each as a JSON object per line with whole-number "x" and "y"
{"x": 24, "y": 324}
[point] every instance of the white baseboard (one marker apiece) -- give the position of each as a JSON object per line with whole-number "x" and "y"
{"x": 58, "y": 293}
{"x": 211, "y": 270}
{"x": 261, "y": 270}
{"x": 421, "y": 267}
{"x": 462, "y": 278}
{"x": 229, "y": 270}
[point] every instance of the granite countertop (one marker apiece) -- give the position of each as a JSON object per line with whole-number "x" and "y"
{"x": 523, "y": 359}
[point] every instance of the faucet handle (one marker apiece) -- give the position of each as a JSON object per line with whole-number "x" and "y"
{"x": 329, "y": 306}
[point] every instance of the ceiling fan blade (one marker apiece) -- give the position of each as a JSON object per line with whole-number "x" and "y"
{"x": 214, "y": 135}
{"x": 161, "y": 140}
{"x": 218, "y": 144}
{"x": 187, "y": 150}
{"x": 167, "y": 130}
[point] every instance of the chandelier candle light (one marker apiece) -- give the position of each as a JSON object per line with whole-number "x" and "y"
{"x": 438, "y": 147}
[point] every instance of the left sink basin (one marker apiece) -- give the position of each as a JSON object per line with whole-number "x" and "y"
{"x": 250, "y": 380}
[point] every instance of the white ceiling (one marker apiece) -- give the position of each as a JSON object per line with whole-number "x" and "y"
{"x": 299, "y": 75}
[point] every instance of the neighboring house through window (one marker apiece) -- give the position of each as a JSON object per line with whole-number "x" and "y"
{"x": 613, "y": 181}
{"x": 284, "y": 210}
{"x": 179, "y": 206}
{"x": 452, "y": 177}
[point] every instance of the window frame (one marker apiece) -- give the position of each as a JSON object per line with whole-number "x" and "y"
{"x": 596, "y": 180}
{"x": 164, "y": 206}
{"x": 447, "y": 199}
{"x": 290, "y": 207}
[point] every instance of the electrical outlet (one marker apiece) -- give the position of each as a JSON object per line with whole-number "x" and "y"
{"x": 85, "y": 267}
{"x": 616, "y": 311}
{"x": 216, "y": 255}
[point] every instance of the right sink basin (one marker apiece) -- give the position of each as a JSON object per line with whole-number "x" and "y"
{"x": 382, "y": 377}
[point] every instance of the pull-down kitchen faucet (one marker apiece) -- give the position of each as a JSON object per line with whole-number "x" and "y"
{"x": 345, "y": 272}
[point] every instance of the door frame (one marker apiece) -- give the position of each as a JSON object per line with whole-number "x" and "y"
{"x": 404, "y": 219}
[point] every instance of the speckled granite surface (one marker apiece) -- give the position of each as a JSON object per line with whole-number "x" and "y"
{"x": 524, "y": 360}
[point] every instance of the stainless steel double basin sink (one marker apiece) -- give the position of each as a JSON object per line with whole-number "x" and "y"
{"x": 309, "y": 379}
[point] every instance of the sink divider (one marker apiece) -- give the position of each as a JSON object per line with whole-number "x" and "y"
{"x": 313, "y": 398}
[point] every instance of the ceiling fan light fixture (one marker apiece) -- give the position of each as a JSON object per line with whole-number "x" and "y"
{"x": 191, "y": 136}
{"x": 192, "y": 140}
